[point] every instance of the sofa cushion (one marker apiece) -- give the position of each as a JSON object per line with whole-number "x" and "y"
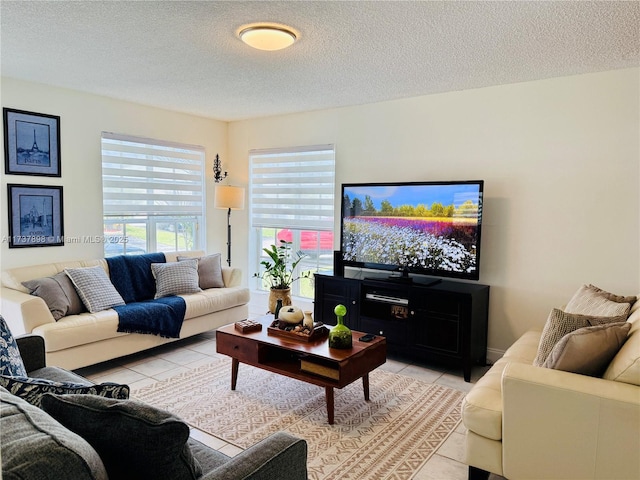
{"x": 133, "y": 439}
{"x": 482, "y": 406}
{"x": 590, "y": 300}
{"x": 57, "y": 374}
{"x": 560, "y": 323}
{"x": 74, "y": 330}
{"x": 625, "y": 366}
{"x": 10, "y": 360}
{"x": 13, "y": 277}
{"x": 176, "y": 278}
{"x": 208, "y": 458}
{"x": 32, "y": 389}
{"x": 94, "y": 287}
{"x": 58, "y": 293}
{"x": 35, "y": 446}
{"x": 209, "y": 270}
{"x": 588, "y": 350}
{"x": 215, "y": 300}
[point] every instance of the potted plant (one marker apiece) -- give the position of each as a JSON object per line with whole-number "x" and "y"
{"x": 280, "y": 272}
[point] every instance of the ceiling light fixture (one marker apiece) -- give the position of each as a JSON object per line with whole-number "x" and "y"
{"x": 267, "y": 37}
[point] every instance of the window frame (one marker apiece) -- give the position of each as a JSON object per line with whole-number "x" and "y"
{"x": 174, "y": 192}
{"x": 311, "y": 220}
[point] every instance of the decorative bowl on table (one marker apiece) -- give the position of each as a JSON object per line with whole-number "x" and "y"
{"x": 290, "y": 314}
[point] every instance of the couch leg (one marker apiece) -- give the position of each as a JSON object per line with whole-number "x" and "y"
{"x": 477, "y": 474}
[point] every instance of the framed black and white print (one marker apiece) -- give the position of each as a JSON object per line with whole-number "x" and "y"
{"x": 31, "y": 143}
{"x": 35, "y": 216}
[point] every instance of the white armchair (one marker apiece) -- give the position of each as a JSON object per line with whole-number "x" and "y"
{"x": 529, "y": 422}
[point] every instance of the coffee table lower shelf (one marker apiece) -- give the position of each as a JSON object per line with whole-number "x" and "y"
{"x": 283, "y": 356}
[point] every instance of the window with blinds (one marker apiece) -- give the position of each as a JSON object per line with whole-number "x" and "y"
{"x": 291, "y": 198}
{"x": 153, "y": 195}
{"x": 293, "y": 187}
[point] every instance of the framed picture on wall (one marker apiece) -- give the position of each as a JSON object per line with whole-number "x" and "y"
{"x": 35, "y": 216}
{"x": 31, "y": 143}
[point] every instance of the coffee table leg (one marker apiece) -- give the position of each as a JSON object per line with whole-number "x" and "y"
{"x": 234, "y": 372}
{"x": 365, "y": 386}
{"x": 330, "y": 404}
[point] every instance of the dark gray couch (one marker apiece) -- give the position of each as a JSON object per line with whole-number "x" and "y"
{"x": 28, "y": 432}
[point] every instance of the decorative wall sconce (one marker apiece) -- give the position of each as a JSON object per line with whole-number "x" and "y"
{"x": 218, "y": 176}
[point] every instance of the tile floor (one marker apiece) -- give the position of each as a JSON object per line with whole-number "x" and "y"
{"x": 165, "y": 361}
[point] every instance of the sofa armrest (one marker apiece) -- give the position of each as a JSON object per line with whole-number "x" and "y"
{"x": 280, "y": 456}
{"x": 23, "y": 312}
{"x": 231, "y": 276}
{"x": 32, "y": 351}
{"x": 562, "y": 425}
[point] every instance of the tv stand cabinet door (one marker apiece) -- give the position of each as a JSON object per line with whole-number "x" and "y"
{"x": 450, "y": 322}
{"x": 436, "y": 323}
{"x": 331, "y": 291}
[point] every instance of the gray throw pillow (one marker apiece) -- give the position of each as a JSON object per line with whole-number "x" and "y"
{"x": 10, "y": 359}
{"x": 58, "y": 293}
{"x": 94, "y": 287}
{"x": 559, "y": 324}
{"x": 209, "y": 270}
{"x": 32, "y": 389}
{"x": 176, "y": 278}
{"x": 133, "y": 439}
{"x": 588, "y": 350}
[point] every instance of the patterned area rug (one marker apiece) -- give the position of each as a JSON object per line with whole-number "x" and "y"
{"x": 391, "y": 436}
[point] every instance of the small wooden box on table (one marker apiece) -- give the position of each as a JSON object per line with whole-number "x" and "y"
{"x": 323, "y": 366}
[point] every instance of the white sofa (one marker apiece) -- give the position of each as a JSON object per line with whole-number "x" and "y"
{"x": 529, "y": 422}
{"x": 76, "y": 341}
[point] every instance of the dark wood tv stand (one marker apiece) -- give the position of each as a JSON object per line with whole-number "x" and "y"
{"x": 445, "y": 321}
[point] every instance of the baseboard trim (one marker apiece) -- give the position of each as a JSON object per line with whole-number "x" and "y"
{"x": 493, "y": 355}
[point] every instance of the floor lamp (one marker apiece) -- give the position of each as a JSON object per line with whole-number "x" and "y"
{"x": 231, "y": 198}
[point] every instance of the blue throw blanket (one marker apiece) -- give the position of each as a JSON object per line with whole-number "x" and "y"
{"x": 133, "y": 279}
{"x": 162, "y": 316}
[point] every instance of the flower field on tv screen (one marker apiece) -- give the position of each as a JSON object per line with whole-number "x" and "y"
{"x": 420, "y": 243}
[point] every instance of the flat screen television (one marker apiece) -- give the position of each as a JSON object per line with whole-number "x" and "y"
{"x": 426, "y": 228}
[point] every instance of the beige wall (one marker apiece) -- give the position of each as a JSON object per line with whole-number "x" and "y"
{"x": 560, "y": 159}
{"x": 82, "y": 118}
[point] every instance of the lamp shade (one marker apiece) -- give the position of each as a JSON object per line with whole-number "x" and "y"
{"x": 229, "y": 197}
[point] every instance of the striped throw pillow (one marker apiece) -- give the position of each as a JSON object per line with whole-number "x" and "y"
{"x": 590, "y": 300}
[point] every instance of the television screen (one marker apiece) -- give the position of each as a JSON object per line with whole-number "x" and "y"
{"x": 430, "y": 228}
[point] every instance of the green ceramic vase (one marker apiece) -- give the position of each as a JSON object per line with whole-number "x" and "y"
{"x": 340, "y": 335}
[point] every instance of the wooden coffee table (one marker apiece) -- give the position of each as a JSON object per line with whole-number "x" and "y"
{"x": 312, "y": 362}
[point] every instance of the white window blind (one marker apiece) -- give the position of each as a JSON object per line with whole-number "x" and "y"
{"x": 141, "y": 176}
{"x": 293, "y": 188}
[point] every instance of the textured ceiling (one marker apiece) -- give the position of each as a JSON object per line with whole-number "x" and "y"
{"x": 185, "y": 56}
